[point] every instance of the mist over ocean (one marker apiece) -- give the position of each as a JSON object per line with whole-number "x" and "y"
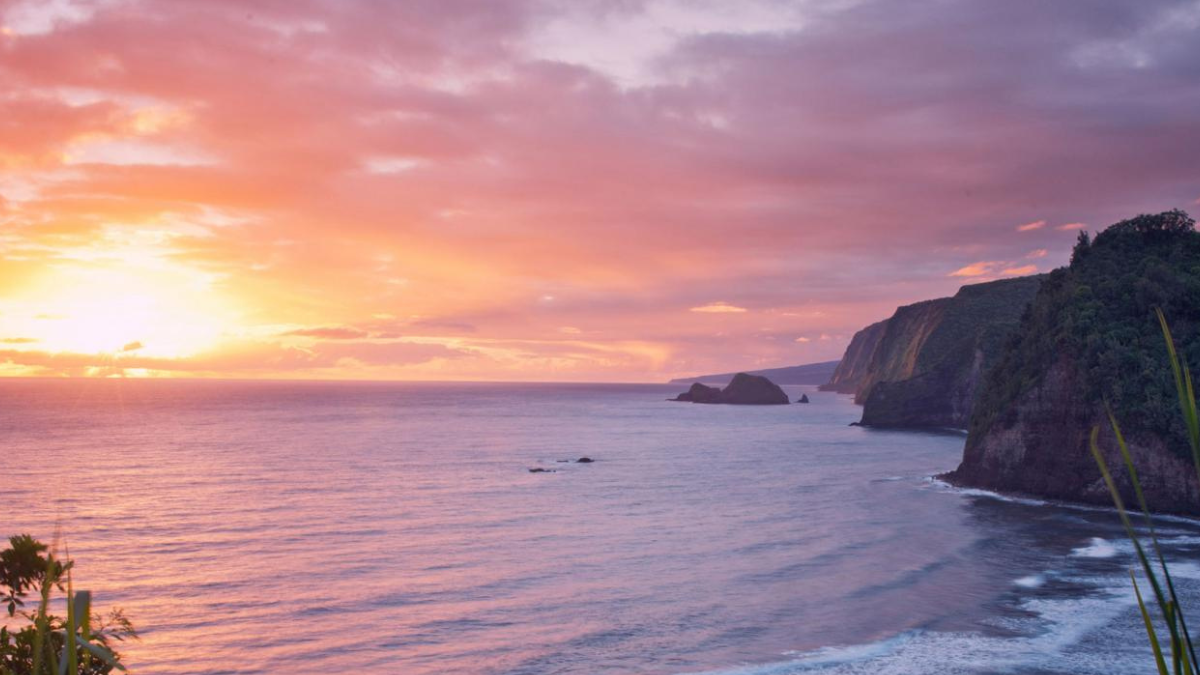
{"x": 395, "y": 528}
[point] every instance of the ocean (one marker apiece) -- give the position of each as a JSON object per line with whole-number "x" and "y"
{"x": 271, "y": 527}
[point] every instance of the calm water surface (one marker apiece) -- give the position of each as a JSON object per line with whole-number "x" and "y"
{"x": 335, "y": 528}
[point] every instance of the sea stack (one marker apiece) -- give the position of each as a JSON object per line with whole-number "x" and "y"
{"x": 744, "y": 389}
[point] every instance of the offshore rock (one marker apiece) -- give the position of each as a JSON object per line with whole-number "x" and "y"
{"x": 744, "y": 389}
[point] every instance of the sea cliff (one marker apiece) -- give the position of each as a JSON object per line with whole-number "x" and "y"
{"x": 1090, "y": 337}
{"x": 855, "y": 364}
{"x": 923, "y": 366}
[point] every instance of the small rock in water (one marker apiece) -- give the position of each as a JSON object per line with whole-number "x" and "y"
{"x": 562, "y": 461}
{"x": 584, "y": 460}
{"x": 541, "y": 470}
{"x": 803, "y": 398}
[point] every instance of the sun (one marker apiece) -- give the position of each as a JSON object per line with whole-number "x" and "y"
{"x": 124, "y": 310}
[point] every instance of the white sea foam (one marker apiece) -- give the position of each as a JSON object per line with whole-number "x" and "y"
{"x": 1031, "y": 581}
{"x": 1096, "y": 548}
{"x": 1034, "y": 501}
{"x": 1053, "y": 637}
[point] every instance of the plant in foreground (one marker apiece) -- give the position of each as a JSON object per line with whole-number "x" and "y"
{"x": 45, "y": 644}
{"x": 1180, "y": 650}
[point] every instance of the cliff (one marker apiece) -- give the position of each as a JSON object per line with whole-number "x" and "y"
{"x": 810, "y": 373}
{"x": 856, "y": 362}
{"x": 923, "y": 366}
{"x": 933, "y": 356}
{"x": 1090, "y": 335}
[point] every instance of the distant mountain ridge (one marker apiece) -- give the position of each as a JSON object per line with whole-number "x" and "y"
{"x": 809, "y": 373}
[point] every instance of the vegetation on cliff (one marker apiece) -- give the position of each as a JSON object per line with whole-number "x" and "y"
{"x": 922, "y": 366}
{"x": 1097, "y": 315}
{"x": 1180, "y": 651}
{"x": 943, "y": 357}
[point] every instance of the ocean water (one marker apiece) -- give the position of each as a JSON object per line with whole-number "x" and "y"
{"x": 395, "y": 528}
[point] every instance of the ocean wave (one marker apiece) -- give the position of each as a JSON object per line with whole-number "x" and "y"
{"x": 1096, "y": 548}
{"x": 940, "y": 484}
{"x": 1031, "y": 581}
{"x": 1056, "y": 633}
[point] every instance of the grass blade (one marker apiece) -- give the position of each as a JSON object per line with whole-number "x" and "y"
{"x": 1158, "y": 656}
{"x": 1173, "y": 599}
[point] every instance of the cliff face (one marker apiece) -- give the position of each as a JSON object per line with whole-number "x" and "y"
{"x": 855, "y": 364}
{"x": 904, "y": 336}
{"x": 931, "y": 375}
{"x": 923, "y": 366}
{"x": 1043, "y": 449}
{"x": 1090, "y": 336}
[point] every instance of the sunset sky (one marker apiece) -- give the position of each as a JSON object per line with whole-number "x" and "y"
{"x": 535, "y": 190}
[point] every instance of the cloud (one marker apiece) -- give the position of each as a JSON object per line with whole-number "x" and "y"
{"x": 1037, "y": 253}
{"x": 132, "y": 346}
{"x": 1019, "y": 271}
{"x": 328, "y": 333}
{"x": 761, "y": 151}
{"x": 718, "y": 308}
{"x": 803, "y": 339}
{"x": 977, "y": 269}
{"x": 1035, "y": 225}
{"x": 18, "y": 340}
{"x": 1071, "y": 226}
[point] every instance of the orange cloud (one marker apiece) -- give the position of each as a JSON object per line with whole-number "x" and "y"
{"x": 977, "y": 269}
{"x": 1019, "y": 271}
{"x": 328, "y": 333}
{"x": 456, "y": 174}
{"x": 1071, "y": 226}
{"x": 1038, "y": 253}
{"x": 718, "y": 308}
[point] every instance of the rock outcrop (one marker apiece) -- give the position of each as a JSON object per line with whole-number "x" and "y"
{"x": 1090, "y": 336}
{"x": 923, "y": 366}
{"x": 744, "y": 389}
{"x": 803, "y": 398}
{"x": 699, "y": 393}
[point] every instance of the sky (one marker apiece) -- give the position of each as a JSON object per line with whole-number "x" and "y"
{"x": 620, "y": 190}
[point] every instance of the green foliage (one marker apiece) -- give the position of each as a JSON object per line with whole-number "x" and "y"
{"x": 1097, "y": 315}
{"x": 1181, "y": 650}
{"x": 44, "y": 644}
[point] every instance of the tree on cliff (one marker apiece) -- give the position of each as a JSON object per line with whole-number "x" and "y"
{"x": 1099, "y": 313}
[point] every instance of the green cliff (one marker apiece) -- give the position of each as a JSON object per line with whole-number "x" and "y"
{"x": 923, "y": 366}
{"x": 929, "y": 374}
{"x": 1088, "y": 337}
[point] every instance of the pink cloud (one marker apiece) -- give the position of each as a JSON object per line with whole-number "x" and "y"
{"x": 718, "y": 308}
{"x": 1071, "y": 226}
{"x": 1038, "y": 253}
{"x": 977, "y": 269}
{"x": 502, "y": 176}
{"x": 1019, "y": 271}
{"x": 328, "y": 333}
